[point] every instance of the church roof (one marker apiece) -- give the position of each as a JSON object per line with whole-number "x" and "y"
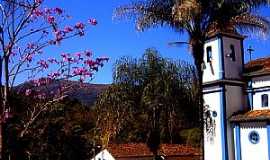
{"x": 131, "y": 150}
{"x": 255, "y": 115}
{"x": 257, "y": 67}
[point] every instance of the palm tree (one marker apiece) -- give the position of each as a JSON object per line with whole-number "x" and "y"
{"x": 197, "y": 18}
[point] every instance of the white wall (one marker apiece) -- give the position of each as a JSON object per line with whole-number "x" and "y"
{"x": 258, "y": 82}
{"x": 251, "y": 151}
{"x": 103, "y": 155}
{"x": 216, "y": 61}
{"x": 257, "y": 100}
{"x": 213, "y": 149}
{"x": 233, "y": 69}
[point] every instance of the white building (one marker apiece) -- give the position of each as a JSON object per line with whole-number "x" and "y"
{"x": 103, "y": 155}
{"x": 237, "y": 100}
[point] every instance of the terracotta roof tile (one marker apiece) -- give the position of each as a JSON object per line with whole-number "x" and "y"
{"x": 257, "y": 67}
{"x": 255, "y": 115}
{"x": 141, "y": 150}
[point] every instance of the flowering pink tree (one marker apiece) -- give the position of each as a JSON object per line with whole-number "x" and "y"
{"x": 26, "y": 28}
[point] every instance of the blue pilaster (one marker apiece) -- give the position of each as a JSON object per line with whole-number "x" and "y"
{"x": 268, "y": 139}
{"x": 223, "y": 125}
{"x": 237, "y": 142}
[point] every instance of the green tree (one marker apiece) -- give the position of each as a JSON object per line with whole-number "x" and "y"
{"x": 65, "y": 133}
{"x": 197, "y": 18}
{"x": 150, "y": 89}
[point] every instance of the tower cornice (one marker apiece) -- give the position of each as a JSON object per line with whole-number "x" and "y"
{"x": 227, "y": 34}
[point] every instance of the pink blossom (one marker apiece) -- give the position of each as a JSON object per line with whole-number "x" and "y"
{"x": 48, "y": 10}
{"x": 38, "y": 1}
{"x": 92, "y": 22}
{"x": 90, "y": 62}
{"x": 29, "y": 57}
{"x": 28, "y": 92}
{"x": 58, "y": 10}
{"x": 54, "y": 75}
{"x": 43, "y": 64}
{"x": 30, "y": 45}
{"x": 51, "y": 19}
{"x": 67, "y": 58}
{"x": 81, "y": 71}
{"x": 88, "y": 53}
{"x": 68, "y": 29}
{"x": 41, "y": 81}
{"x": 37, "y": 13}
{"x": 59, "y": 36}
{"x": 79, "y": 25}
{"x": 78, "y": 54}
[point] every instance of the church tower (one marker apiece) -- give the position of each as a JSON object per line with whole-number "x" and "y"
{"x": 223, "y": 92}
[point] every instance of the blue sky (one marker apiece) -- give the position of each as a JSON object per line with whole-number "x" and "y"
{"x": 119, "y": 38}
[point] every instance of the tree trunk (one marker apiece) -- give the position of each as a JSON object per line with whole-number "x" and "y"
{"x": 2, "y": 104}
{"x": 5, "y": 106}
{"x": 198, "y": 51}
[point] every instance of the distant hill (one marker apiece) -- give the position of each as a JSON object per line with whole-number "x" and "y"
{"x": 85, "y": 93}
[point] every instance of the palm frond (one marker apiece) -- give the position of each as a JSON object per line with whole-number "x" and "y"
{"x": 254, "y": 24}
{"x": 253, "y": 4}
{"x": 186, "y": 10}
{"x": 148, "y": 14}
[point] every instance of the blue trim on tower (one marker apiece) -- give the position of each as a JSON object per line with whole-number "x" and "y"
{"x": 223, "y": 120}
{"x": 250, "y": 94}
{"x": 238, "y": 142}
{"x": 268, "y": 139}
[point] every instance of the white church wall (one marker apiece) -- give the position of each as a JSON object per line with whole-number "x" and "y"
{"x": 257, "y": 100}
{"x": 208, "y": 75}
{"x": 233, "y": 69}
{"x": 213, "y": 100}
{"x": 257, "y": 83}
{"x": 262, "y": 81}
{"x": 250, "y": 151}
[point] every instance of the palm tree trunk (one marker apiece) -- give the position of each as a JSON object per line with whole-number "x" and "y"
{"x": 198, "y": 50}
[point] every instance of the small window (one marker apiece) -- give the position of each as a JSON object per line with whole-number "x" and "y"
{"x": 209, "y": 54}
{"x": 264, "y": 100}
{"x": 254, "y": 137}
{"x": 232, "y": 54}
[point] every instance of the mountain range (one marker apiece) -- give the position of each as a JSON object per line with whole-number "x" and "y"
{"x": 85, "y": 93}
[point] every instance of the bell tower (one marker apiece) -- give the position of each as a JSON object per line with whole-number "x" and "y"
{"x": 223, "y": 94}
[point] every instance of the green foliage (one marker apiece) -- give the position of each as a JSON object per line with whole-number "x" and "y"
{"x": 61, "y": 134}
{"x": 150, "y": 95}
{"x": 191, "y": 136}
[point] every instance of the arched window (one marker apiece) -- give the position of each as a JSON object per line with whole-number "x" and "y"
{"x": 265, "y": 100}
